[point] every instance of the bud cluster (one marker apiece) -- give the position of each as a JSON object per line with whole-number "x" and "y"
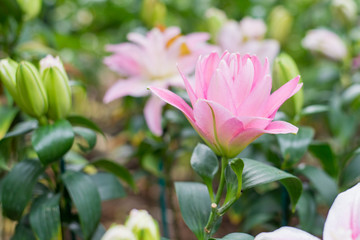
{"x": 44, "y": 93}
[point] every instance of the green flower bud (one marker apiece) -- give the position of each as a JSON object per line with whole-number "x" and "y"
{"x": 8, "y": 75}
{"x": 153, "y": 12}
{"x": 143, "y": 225}
{"x": 31, "y": 95}
{"x": 284, "y": 70}
{"x": 31, "y": 8}
{"x": 280, "y": 24}
{"x": 215, "y": 19}
{"x": 118, "y": 232}
{"x": 57, "y": 87}
{"x": 344, "y": 10}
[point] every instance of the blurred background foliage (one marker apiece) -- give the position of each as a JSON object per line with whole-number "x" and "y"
{"x": 78, "y": 30}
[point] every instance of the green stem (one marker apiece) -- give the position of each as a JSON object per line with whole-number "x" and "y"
{"x": 214, "y": 215}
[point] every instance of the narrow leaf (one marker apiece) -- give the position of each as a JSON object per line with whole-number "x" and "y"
{"x": 17, "y": 187}
{"x": 324, "y": 153}
{"x": 86, "y": 199}
{"x": 108, "y": 186}
{"x": 237, "y": 236}
{"x": 7, "y": 115}
{"x": 88, "y": 135}
{"x": 22, "y": 128}
{"x": 84, "y": 122}
{"x": 52, "y": 141}
{"x": 116, "y": 169}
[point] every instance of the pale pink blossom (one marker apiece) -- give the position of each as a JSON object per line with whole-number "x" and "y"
{"x": 231, "y": 100}
{"x": 247, "y": 37}
{"x": 150, "y": 60}
{"x": 342, "y": 223}
{"x": 326, "y": 43}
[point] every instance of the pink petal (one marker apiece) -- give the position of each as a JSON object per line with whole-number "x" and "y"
{"x": 152, "y": 113}
{"x": 133, "y": 86}
{"x": 280, "y": 127}
{"x": 189, "y": 89}
{"x": 278, "y": 97}
{"x": 205, "y": 69}
{"x": 343, "y": 219}
{"x": 174, "y": 100}
{"x": 240, "y": 141}
{"x": 243, "y": 81}
{"x": 286, "y": 233}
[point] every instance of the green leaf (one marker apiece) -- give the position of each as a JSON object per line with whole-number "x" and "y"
{"x": 17, "y": 187}
{"x": 306, "y": 208}
{"x": 45, "y": 218}
{"x": 237, "y": 236}
{"x": 314, "y": 109}
{"x": 116, "y": 169}
{"x": 324, "y": 153}
{"x": 84, "y": 122}
{"x": 108, "y": 186}
{"x": 23, "y": 231}
{"x": 351, "y": 173}
{"x": 99, "y": 233}
{"x": 195, "y": 206}
{"x": 323, "y": 183}
{"x": 7, "y": 115}
{"x": 51, "y": 142}
{"x": 204, "y": 162}
{"x": 256, "y": 173}
{"x": 22, "y": 128}
{"x": 86, "y": 199}
{"x": 88, "y": 135}
{"x": 233, "y": 176}
{"x": 293, "y": 147}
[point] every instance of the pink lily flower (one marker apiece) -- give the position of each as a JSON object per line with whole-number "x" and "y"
{"x": 232, "y": 104}
{"x": 247, "y": 37}
{"x": 151, "y": 61}
{"x": 342, "y": 223}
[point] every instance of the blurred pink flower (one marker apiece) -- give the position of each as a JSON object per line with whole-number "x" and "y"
{"x": 342, "y": 223}
{"x": 247, "y": 37}
{"x": 326, "y": 43}
{"x": 231, "y": 100}
{"x": 151, "y": 61}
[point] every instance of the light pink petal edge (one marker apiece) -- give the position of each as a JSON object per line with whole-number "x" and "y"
{"x": 152, "y": 113}
{"x": 286, "y": 233}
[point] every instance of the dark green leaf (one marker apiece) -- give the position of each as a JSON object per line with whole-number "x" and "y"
{"x": 116, "y": 169}
{"x": 306, "y": 208}
{"x": 293, "y": 147}
{"x": 204, "y": 162}
{"x": 195, "y": 206}
{"x": 22, "y": 128}
{"x": 323, "y": 183}
{"x": 88, "y": 135}
{"x": 323, "y": 152}
{"x": 99, "y": 233}
{"x": 256, "y": 173}
{"x": 7, "y": 115}
{"x": 237, "y": 236}
{"x": 86, "y": 199}
{"x": 84, "y": 122}
{"x": 351, "y": 173}
{"x": 51, "y": 142}
{"x": 108, "y": 186}
{"x": 45, "y": 218}
{"x": 17, "y": 187}
{"x": 23, "y": 232}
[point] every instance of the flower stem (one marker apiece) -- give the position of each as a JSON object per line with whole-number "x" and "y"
{"x": 214, "y": 215}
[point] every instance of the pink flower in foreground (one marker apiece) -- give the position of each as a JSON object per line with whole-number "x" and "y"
{"x": 151, "y": 61}
{"x": 247, "y": 37}
{"x": 342, "y": 223}
{"x": 231, "y": 101}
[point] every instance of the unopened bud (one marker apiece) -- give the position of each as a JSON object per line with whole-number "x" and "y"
{"x": 344, "y": 10}
{"x": 284, "y": 70}
{"x": 31, "y": 95}
{"x": 57, "y": 87}
{"x": 280, "y": 23}
{"x": 31, "y": 8}
{"x": 215, "y": 19}
{"x": 143, "y": 225}
{"x": 118, "y": 232}
{"x": 8, "y": 75}
{"x": 153, "y": 12}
